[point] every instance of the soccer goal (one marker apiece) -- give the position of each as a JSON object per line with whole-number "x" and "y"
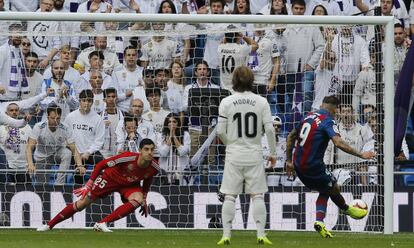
{"x": 297, "y": 61}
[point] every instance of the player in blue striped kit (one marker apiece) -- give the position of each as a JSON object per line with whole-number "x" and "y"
{"x": 312, "y": 136}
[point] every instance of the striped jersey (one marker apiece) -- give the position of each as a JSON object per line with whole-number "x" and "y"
{"x": 315, "y": 131}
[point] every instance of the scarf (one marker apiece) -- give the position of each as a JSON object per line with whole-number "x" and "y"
{"x": 13, "y": 140}
{"x": 17, "y": 72}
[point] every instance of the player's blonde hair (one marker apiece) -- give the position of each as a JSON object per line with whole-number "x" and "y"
{"x": 243, "y": 78}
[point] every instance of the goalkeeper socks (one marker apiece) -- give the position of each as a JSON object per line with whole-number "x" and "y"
{"x": 120, "y": 212}
{"x": 259, "y": 214}
{"x": 321, "y": 204}
{"x": 66, "y": 213}
{"x": 227, "y": 214}
{"x": 339, "y": 201}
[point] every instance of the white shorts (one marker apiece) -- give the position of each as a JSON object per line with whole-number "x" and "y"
{"x": 234, "y": 176}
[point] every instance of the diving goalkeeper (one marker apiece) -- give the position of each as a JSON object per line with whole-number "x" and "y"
{"x": 121, "y": 173}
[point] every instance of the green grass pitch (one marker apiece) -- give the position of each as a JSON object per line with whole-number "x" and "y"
{"x": 26, "y": 238}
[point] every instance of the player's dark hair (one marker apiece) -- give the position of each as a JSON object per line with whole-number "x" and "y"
{"x": 231, "y": 37}
{"x": 32, "y": 54}
{"x": 236, "y": 10}
{"x": 152, "y": 90}
{"x": 129, "y": 118}
{"x": 85, "y": 94}
{"x": 108, "y": 91}
{"x": 145, "y": 142}
{"x": 98, "y": 54}
{"x": 398, "y": 25}
{"x": 284, "y": 10}
{"x": 172, "y": 6}
{"x": 299, "y": 2}
{"x": 53, "y": 108}
{"x": 130, "y": 48}
{"x": 243, "y": 78}
{"x": 333, "y": 100}
{"x": 223, "y": 3}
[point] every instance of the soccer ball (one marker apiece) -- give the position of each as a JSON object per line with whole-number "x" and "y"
{"x": 358, "y": 203}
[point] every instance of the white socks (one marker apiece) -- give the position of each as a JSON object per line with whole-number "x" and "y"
{"x": 227, "y": 214}
{"x": 259, "y": 214}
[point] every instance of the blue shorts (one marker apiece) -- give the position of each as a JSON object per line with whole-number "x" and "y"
{"x": 322, "y": 182}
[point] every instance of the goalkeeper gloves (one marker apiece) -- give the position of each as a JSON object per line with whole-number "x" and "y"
{"x": 83, "y": 191}
{"x": 144, "y": 209}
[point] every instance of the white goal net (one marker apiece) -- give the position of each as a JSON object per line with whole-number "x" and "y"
{"x": 166, "y": 72}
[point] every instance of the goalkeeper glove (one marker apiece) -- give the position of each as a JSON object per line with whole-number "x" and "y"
{"x": 144, "y": 209}
{"x": 83, "y": 191}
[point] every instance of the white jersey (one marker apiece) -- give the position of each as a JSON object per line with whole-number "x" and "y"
{"x": 88, "y": 131}
{"x": 261, "y": 61}
{"x": 125, "y": 80}
{"x": 160, "y": 54}
{"x": 48, "y": 142}
{"x": 144, "y": 130}
{"x": 357, "y": 137}
{"x": 111, "y": 123}
{"x": 243, "y": 117}
{"x": 156, "y": 119}
{"x": 231, "y": 55}
{"x": 71, "y": 75}
{"x": 41, "y": 44}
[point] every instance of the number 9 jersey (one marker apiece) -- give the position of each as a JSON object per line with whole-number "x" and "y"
{"x": 315, "y": 131}
{"x": 243, "y": 118}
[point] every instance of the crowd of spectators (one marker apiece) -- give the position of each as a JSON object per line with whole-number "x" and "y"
{"x": 92, "y": 97}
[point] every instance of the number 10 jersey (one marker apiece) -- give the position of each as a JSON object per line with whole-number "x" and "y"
{"x": 242, "y": 119}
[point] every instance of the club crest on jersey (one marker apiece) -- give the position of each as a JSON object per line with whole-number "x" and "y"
{"x": 130, "y": 167}
{"x": 110, "y": 163}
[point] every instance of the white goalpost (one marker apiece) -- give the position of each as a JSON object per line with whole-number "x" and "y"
{"x": 197, "y": 210}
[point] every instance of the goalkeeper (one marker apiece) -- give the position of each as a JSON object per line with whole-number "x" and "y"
{"x": 121, "y": 173}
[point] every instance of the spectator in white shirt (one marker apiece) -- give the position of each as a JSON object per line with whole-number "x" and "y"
{"x": 144, "y": 130}
{"x": 88, "y": 130}
{"x": 175, "y": 91}
{"x": 95, "y": 80}
{"x": 50, "y": 138}
{"x": 160, "y": 51}
{"x": 46, "y": 47}
{"x": 13, "y": 80}
{"x": 34, "y": 78}
{"x": 63, "y": 94}
{"x": 13, "y": 142}
{"x": 128, "y": 79}
{"x": 156, "y": 115}
{"x": 110, "y": 63}
{"x": 174, "y": 149}
{"x": 96, "y": 61}
{"x": 111, "y": 117}
{"x": 71, "y": 74}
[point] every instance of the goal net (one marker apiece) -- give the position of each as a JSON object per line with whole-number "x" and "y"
{"x": 180, "y": 72}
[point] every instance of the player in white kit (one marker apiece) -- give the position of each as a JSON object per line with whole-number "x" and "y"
{"x": 232, "y": 54}
{"x": 243, "y": 117}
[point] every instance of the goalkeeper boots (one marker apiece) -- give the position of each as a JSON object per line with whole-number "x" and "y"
{"x": 101, "y": 227}
{"x": 356, "y": 213}
{"x": 264, "y": 241}
{"x": 43, "y": 228}
{"x": 321, "y": 229}
{"x": 224, "y": 241}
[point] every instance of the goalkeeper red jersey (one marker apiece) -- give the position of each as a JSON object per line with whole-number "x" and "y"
{"x": 123, "y": 170}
